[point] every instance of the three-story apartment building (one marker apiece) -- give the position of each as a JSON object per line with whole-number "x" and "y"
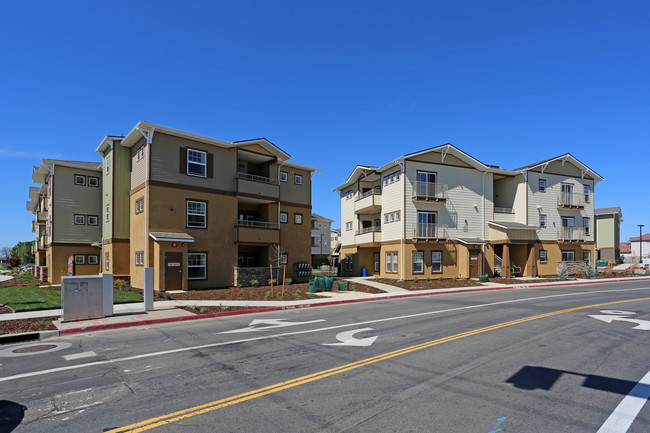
{"x": 203, "y": 212}
{"x": 67, "y": 212}
{"x": 320, "y": 239}
{"x": 442, "y": 213}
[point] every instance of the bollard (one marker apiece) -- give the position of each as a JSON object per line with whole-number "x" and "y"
{"x": 147, "y": 291}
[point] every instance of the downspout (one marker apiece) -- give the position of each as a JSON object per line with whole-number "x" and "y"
{"x": 401, "y": 240}
{"x": 483, "y": 223}
{"x": 148, "y": 135}
{"x": 280, "y": 201}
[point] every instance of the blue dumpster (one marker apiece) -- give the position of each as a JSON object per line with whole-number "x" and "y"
{"x": 364, "y": 272}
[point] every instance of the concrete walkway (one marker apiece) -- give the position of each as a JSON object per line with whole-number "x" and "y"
{"x": 370, "y": 281}
{"x": 5, "y": 278}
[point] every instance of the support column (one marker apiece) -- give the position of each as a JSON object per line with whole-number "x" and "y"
{"x": 505, "y": 262}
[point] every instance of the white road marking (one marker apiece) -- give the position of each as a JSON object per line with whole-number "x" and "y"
{"x": 620, "y": 316}
{"x": 266, "y": 337}
{"x": 346, "y": 338}
{"x": 625, "y": 413}
{"x": 79, "y": 355}
{"x": 270, "y": 324}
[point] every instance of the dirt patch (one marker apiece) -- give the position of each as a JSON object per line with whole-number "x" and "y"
{"x": 27, "y": 325}
{"x": 516, "y": 282}
{"x": 212, "y": 309}
{"x": 428, "y": 284}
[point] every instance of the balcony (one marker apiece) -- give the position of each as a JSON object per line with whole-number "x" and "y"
{"x": 571, "y": 234}
{"x": 429, "y": 191}
{"x": 42, "y": 242}
{"x": 504, "y": 214}
{"x": 569, "y": 200}
{"x": 369, "y": 202}
{"x": 430, "y": 231}
{"x": 368, "y": 235}
{"x": 252, "y": 185}
{"x": 257, "y": 232}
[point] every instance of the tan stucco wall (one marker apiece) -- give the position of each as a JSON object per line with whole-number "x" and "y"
{"x": 295, "y": 239}
{"x": 59, "y": 255}
{"x": 118, "y": 258}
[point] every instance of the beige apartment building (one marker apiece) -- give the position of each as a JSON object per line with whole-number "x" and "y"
{"x": 442, "y": 213}
{"x": 67, "y": 211}
{"x": 202, "y": 212}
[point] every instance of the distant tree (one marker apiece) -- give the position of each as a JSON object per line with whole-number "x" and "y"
{"x": 5, "y": 252}
{"x": 23, "y": 252}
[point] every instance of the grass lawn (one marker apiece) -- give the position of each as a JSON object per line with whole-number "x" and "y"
{"x": 34, "y": 298}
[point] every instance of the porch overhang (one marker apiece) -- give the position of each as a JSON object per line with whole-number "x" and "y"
{"x": 470, "y": 241}
{"x": 171, "y": 237}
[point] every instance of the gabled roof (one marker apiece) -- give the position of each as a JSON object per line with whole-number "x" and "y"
{"x": 564, "y": 158}
{"x": 358, "y": 172}
{"x": 608, "y": 211}
{"x": 265, "y": 144}
{"x": 645, "y": 237}
{"x": 40, "y": 172}
{"x": 317, "y": 217}
{"x": 108, "y": 142}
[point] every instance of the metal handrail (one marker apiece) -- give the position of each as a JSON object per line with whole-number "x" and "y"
{"x": 368, "y": 230}
{"x": 429, "y": 190}
{"x": 503, "y": 210}
{"x": 375, "y": 191}
{"x": 429, "y": 231}
{"x": 257, "y": 224}
{"x": 571, "y": 234}
{"x": 574, "y": 199}
{"x": 256, "y": 178}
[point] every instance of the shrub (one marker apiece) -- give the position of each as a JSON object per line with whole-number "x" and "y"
{"x": 298, "y": 295}
{"x": 428, "y": 279}
{"x": 168, "y": 296}
{"x": 415, "y": 279}
{"x": 590, "y": 272}
{"x": 268, "y": 295}
{"x": 564, "y": 274}
{"x": 225, "y": 308}
{"x": 255, "y": 283}
{"x": 288, "y": 281}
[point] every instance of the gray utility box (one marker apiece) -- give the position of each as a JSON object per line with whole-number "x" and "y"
{"x": 86, "y": 297}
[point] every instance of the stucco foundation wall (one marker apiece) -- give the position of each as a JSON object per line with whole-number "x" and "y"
{"x": 554, "y": 255}
{"x": 59, "y": 261}
{"x": 118, "y": 258}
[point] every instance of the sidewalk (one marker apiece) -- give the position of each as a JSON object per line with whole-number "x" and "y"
{"x": 133, "y": 314}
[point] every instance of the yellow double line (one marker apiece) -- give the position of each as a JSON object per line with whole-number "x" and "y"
{"x": 260, "y": 392}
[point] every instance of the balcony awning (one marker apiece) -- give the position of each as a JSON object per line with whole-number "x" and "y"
{"x": 511, "y": 226}
{"x": 472, "y": 241}
{"x": 171, "y": 237}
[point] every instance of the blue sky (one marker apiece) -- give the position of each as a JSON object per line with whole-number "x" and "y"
{"x": 334, "y": 84}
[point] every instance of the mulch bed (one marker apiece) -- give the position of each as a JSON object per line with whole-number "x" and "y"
{"x": 27, "y": 325}
{"x": 432, "y": 283}
{"x": 514, "y": 281}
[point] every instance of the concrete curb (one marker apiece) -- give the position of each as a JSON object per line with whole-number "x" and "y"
{"x": 31, "y": 336}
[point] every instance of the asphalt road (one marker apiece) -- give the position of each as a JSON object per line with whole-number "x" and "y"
{"x": 524, "y": 360}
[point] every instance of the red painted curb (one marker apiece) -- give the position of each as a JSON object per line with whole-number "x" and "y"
{"x": 324, "y": 304}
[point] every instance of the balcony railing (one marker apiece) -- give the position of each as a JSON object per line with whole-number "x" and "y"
{"x": 372, "y": 229}
{"x": 503, "y": 210}
{"x": 573, "y": 200}
{"x": 257, "y": 224}
{"x": 430, "y": 231}
{"x": 430, "y": 191}
{"x": 375, "y": 191}
{"x": 256, "y": 178}
{"x": 571, "y": 234}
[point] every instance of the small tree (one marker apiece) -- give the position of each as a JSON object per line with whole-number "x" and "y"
{"x": 590, "y": 271}
{"x": 564, "y": 273}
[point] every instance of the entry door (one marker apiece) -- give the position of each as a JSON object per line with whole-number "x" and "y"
{"x": 173, "y": 271}
{"x": 474, "y": 263}
{"x": 567, "y": 194}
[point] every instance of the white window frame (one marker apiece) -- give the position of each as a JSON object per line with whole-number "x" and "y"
{"x": 201, "y": 213}
{"x": 89, "y": 219}
{"x": 93, "y": 178}
{"x": 108, "y": 212}
{"x": 284, "y": 258}
{"x": 106, "y": 265}
{"x": 202, "y": 264}
{"x": 81, "y": 221}
{"x": 93, "y": 259}
{"x": 389, "y": 261}
{"x": 543, "y": 256}
{"x": 586, "y": 225}
{"x": 542, "y": 185}
{"x": 108, "y": 164}
{"x": 586, "y": 256}
{"x": 284, "y": 177}
{"x": 79, "y": 259}
{"x": 587, "y": 191}
{"x": 436, "y": 263}
{"x": 79, "y": 179}
{"x": 191, "y": 162}
{"x": 542, "y": 220}
{"x": 284, "y": 217}
{"x": 418, "y": 262}
{"x": 297, "y": 179}
{"x": 568, "y": 253}
{"x": 395, "y": 259}
{"x": 297, "y": 218}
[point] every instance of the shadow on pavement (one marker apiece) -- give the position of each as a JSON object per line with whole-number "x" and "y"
{"x": 11, "y": 415}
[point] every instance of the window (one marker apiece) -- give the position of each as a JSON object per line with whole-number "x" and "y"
{"x": 297, "y": 179}
{"x": 139, "y": 205}
{"x": 93, "y": 181}
{"x": 392, "y": 217}
{"x": 542, "y": 256}
{"x": 418, "y": 262}
{"x": 80, "y": 220}
{"x": 348, "y": 194}
{"x": 585, "y": 224}
{"x": 140, "y": 153}
{"x": 196, "y": 212}
{"x": 587, "y": 191}
{"x": 196, "y": 163}
{"x": 376, "y": 262}
{"x": 568, "y": 256}
{"x": 79, "y": 179}
{"x": 348, "y": 263}
{"x": 139, "y": 258}
{"x": 284, "y": 258}
{"x": 395, "y": 262}
{"x": 542, "y": 185}
{"x": 297, "y": 218}
{"x": 586, "y": 256}
{"x": 93, "y": 259}
{"x": 106, "y": 267}
{"x": 284, "y": 176}
{"x": 93, "y": 220}
{"x": 284, "y": 217}
{"x": 436, "y": 261}
{"x": 79, "y": 259}
{"x": 108, "y": 212}
{"x": 397, "y": 216}
{"x": 542, "y": 220}
{"x": 386, "y": 219}
{"x": 196, "y": 269}
{"x": 348, "y": 226}
{"x": 108, "y": 164}
{"x": 389, "y": 266}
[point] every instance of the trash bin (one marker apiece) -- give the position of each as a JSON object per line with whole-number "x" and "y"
{"x": 364, "y": 272}
{"x": 343, "y": 286}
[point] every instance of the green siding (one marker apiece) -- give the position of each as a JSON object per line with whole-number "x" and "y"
{"x": 122, "y": 187}
{"x": 108, "y": 193}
